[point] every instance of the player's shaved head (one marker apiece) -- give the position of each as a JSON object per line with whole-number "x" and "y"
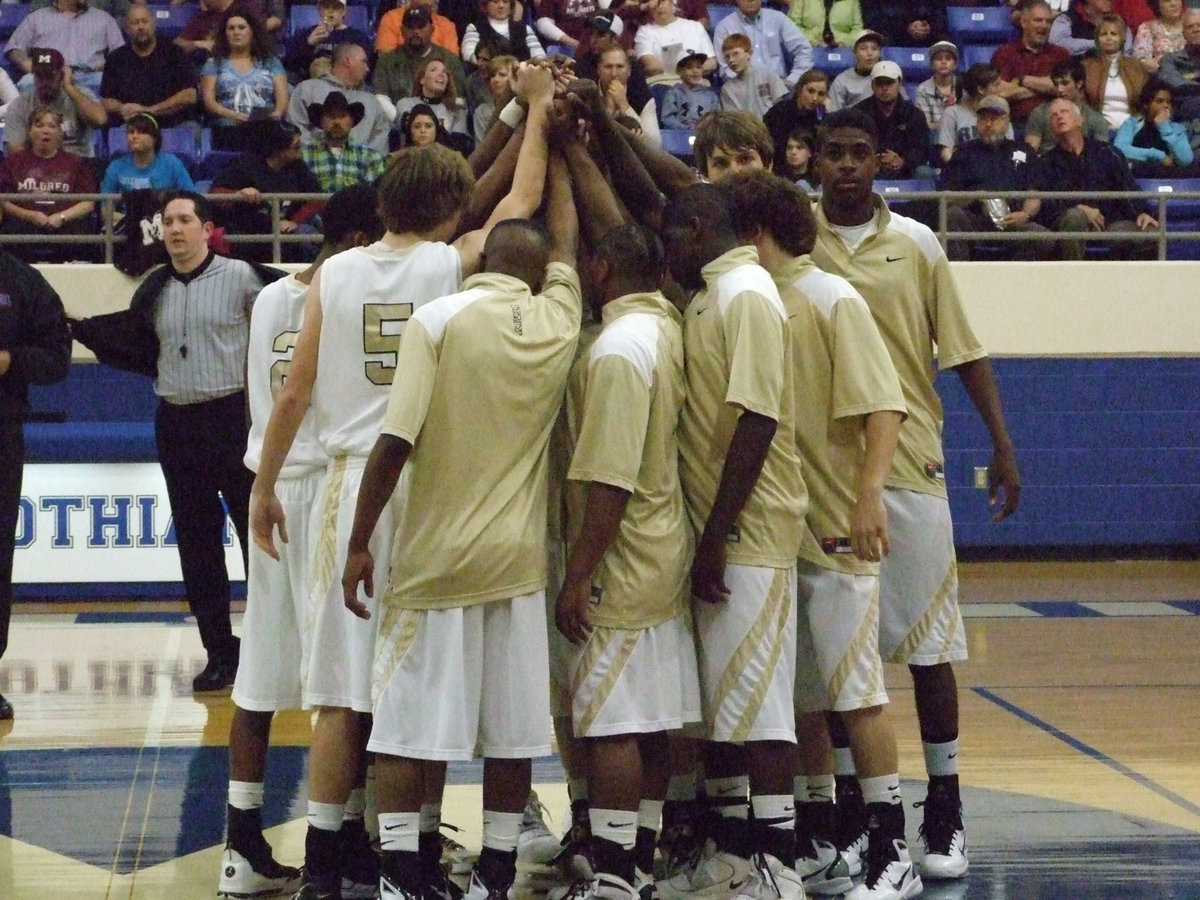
{"x": 635, "y": 255}
{"x": 519, "y": 248}
{"x": 697, "y": 228}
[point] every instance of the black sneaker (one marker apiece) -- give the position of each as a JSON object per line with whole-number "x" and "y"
{"x": 218, "y": 675}
{"x": 310, "y": 891}
{"x": 6, "y": 709}
{"x": 944, "y": 837}
{"x": 359, "y": 863}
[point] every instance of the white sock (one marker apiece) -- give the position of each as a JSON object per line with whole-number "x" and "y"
{"x": 776, "y": 810}
{"x": 326, "y": 816}
{"x": 818, "y": 789}
{"x": 843, "y": 761}
{"x": 650, "y": 814}
{"x": 398, "y": 831}
{"x": 730, "y": 794}
{"x": 356, "y": 804}
{"x": 500, "y": 830}
{"x": 246, "y": 794}
{"x": 881, "y": 789}
{"x": 941, "y": 759}
{"x": 616, "y": 825}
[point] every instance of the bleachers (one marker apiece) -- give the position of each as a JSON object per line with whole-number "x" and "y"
{"x": 976, "y": 53}
{"x": 1181, "y": 214}
{"x": 832, "y": 60}
{"x": 913, "y": 61}
{"x": 170, "y": 19}
{"x": 182, "y": 140}
{"x": 980, "y": 24}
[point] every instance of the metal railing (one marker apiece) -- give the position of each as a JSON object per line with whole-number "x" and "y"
{"x": 1158, "y": 203}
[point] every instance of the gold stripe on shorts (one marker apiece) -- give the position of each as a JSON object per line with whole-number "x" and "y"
{"x": 325, "y": 554}
{"x": 917, "y": 634}
{"x": 397, "y": 632}
{"x": 770, "y": 624}
{"x": 868, "y": 631}
{"x": 593, "y": 654}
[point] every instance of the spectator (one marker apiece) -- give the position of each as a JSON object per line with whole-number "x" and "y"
{"x": 44, "y": 167}
{"x": 390, "y": 33}
{"x": 84, "y": 36}
{"x": 8, "y": 93}
{"x": 334, "y": 157}
{"x": 1160, "y": 35}
{"x": 1111, "y": 80}
{"x": 1075, "y": 29}
{"x": 666, "y": 39}
{"x": 620, "y": 101}
{"x": 420, "y": 127}
{"x": 605, "y": 30}
{"x": 1155, "y": 146}
{"x": 273, "y": 166}
{"x": 903, "y": 138}
{"x": 35, "y": 348}
{"x": 243, "y": 81}
{"x": 1077, "y": 163}
{"x": 499, "y": 73}
{"x": 686, "y": 102}
{"x": 322, "y": 39}
{"x": 778, "y": 45}
{"x": 942, "y": 89}
{"x": 1181, "y": 71}
{"x": 959, "y": 124}
{"x": 348, "y": 76}
{"x": 146, "y": 76}
{"x": 751, "y": 88}
{"x": 395, "y": 69}
{"x": 908, "y": 23}
{"x": 827, "y": 23}
{"x": 991, "y": 161}
{"x": 1025, "y": 64}
{"x": 495, "y": 26}
{"x": 54, "y": 85}
{"x": 199, "y": 35}
{"x": 146, "y": 165}
{"x": 854, "y": 84}
{"x": 797, "y": 159}
{"x": 435, "y": 89}
{"x": 564, "y": 21}
{"x": 804, "y": 109}
{"x": 1067, "y": 78}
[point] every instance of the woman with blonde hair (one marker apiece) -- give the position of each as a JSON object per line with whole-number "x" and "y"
{"x": 433, "y": 86}
{"x": 1111, "y": 80}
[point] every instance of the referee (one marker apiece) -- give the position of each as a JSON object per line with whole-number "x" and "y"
{"x": 201, "y": 316}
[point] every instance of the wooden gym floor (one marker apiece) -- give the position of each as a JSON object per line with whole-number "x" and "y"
{"x": 1080, "y": 734}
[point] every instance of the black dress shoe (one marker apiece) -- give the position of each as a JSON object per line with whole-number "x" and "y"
{"x": 6, "y": 710}
{"x": 216, "y": 676}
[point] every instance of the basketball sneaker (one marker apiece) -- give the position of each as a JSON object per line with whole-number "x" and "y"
{"x": 780, "y": 882}
{"x": 643, "y": 884}
{"x": 456, "y": 858}
{"x": 536, "y": 844}
{"x": 944, "y": 837}
{"x": 891, "y": 874}
{"x": 390, "y": 891}
{"x": 823, "y": 869}
{"x": 261, "y": 876}
{"x": 713, "y": 874}
{"x": 478, "y": 889}
{"x": 601, "y": 886}
{"x": 852, "y": 822}
{"x": 359, "y": 862}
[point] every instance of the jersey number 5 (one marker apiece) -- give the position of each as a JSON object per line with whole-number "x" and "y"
{"x": 383, "y": 324}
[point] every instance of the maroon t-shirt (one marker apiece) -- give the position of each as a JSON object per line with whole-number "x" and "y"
{"x": 63, "y": 173}
{"x": 1015, "y": 60}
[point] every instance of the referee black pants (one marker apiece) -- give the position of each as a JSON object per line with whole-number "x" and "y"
{"x": 200, "y": 448}
{"x": 12, "y": 462}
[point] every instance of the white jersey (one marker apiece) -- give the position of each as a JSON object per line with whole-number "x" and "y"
{"x": 274, "y": 325}
{"x": 367, "y": 296}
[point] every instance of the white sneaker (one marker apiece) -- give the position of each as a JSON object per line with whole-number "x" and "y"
{"x": 477, "y": 889}
{"x": 643, "y": 884}
{"x": 945, "y": 840}
{"x": 389, "y": 891}
{"x": 714, "y": 874}
{"x": 825, "y": 871}
{"x": 891, "y": 875}
{"x": 239, "y": 879}
{"x": 601, "y": 886}
{"x": 536, "y": 844}
{"x": 781, "y": 881}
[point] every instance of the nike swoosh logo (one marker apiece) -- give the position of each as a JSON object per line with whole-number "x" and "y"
{"x": 893, "y": 787}
{"x": 620, "y": 824}
{"x": 734, "y": 885}
{"x": 951, "y": 755}
{"x": 391, "y": 827}
{"x": 789, "y": 809}
{"x": 893, "y": 258}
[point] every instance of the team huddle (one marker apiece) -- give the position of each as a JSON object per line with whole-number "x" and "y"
{"x": 492, "y": 495}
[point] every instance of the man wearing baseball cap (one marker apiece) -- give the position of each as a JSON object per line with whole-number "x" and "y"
{"x": 395, "y": 69}
{"x": 390, "y": 33}
{"x": 54, "y": 85}
{"x": 903, "y": 134}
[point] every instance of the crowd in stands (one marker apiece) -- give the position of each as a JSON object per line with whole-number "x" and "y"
{"x": 356, "y": 83}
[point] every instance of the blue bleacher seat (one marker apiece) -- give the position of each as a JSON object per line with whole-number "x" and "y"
{"x": 832, "y": 60}
{"x": 716, "y": 12}
{"x": 981, "y": 24}
{"x": 887, "y": 186}
{"x": 658, "y": 90}
{"x": 1182, "y": 214}
{"x": 678, "y": 141}
{"x": 212, "y": 163}
{"x": 913, "y": 61}
{"x": 305, "y": 18}
{"x": 11, "y": 15}
{"x": 170, "y": 19}
{"x": 976, "y": 53}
